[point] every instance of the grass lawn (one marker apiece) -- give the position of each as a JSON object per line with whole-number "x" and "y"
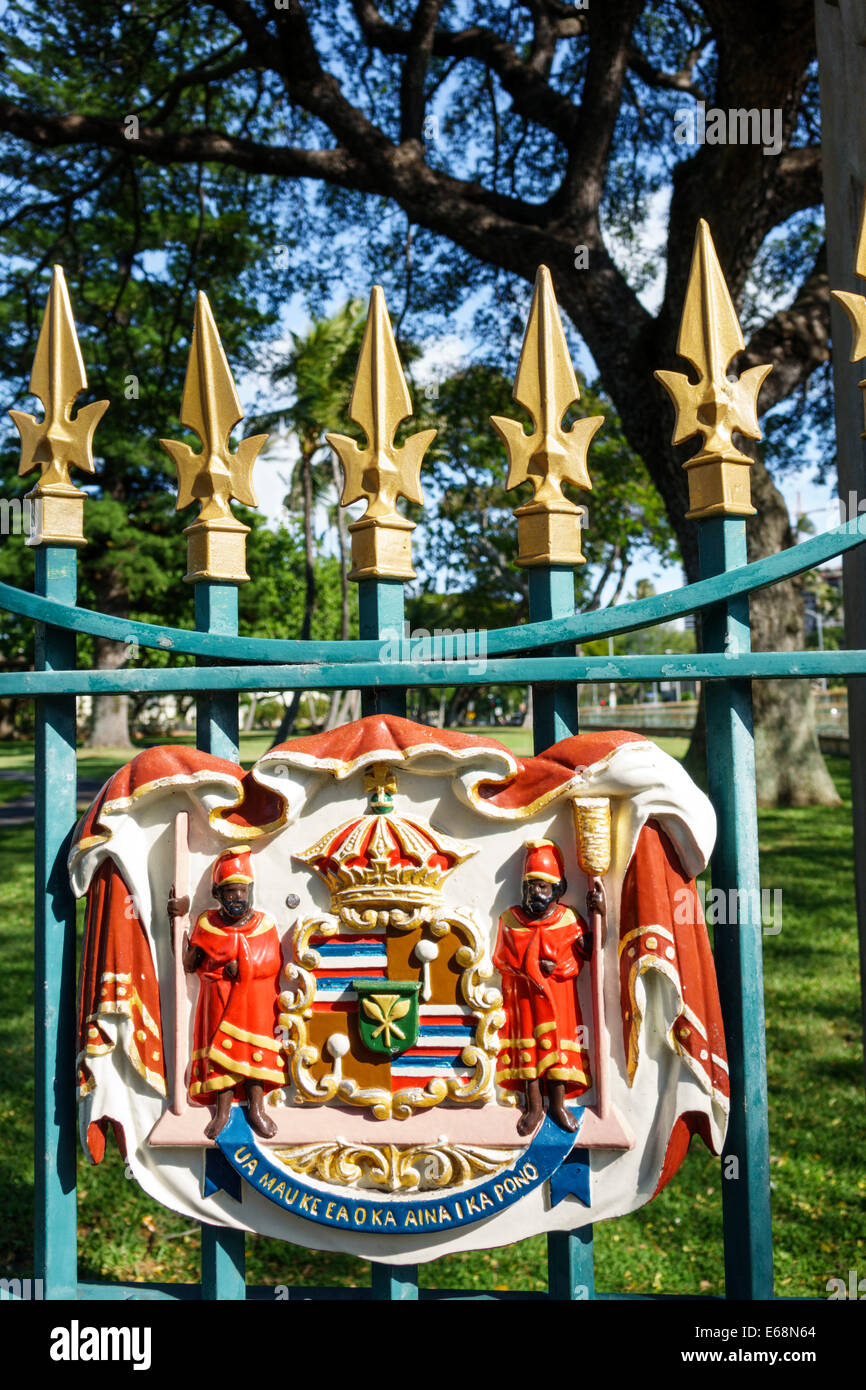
{"x": 13, "y": 788}
{"x": 100, "y": 763}
{"x": 817, "y": 1117}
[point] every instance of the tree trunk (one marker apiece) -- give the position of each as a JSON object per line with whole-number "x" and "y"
{"x": 312, "y": 719}
{"x": 353, "y": 708}
{"x": 342, "y": 542}
{"x": 309, "y": 555}
{"x": 10, "y": 727}
{"x": 110, "y": 727}
{"x": 333, "y": 720}
{"x": 789, "y": 765}
{"x": 287, "y": 723}
{"x": 343, "y": 708}
{"x": 458, "y": 704}
{"x": 527, "y": 714}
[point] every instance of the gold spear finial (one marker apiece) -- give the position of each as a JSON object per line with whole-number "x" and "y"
{"x": 216, "y": 546}
{"x": 58, "y": 442}
{"x": 855, "y": 305}
{"x": 381, "y": 472}
{"x": 548, "y": 527}
{"x": 716, "y": 404}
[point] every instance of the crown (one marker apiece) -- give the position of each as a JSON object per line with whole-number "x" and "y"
{"x": 381, "y": 860}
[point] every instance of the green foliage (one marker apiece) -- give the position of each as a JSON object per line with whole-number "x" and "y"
{"x": 468, "y": 546}
{"x": 158, "y": 228}
{"x": 272, "y": 604}
{"x": 136, "y": 242}
{"x": 321, "y": 370}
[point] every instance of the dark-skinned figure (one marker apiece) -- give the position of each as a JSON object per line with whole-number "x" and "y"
{"x": 540, "y": 949}
{"x": 235, "y": 951}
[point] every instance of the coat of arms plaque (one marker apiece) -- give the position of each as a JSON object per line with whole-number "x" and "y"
{"x": 397, "y": 991}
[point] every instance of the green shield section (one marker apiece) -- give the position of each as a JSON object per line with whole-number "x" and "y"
{"x": 388, "y": 1014}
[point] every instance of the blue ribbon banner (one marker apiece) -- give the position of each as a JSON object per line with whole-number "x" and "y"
{"x": 551, "y": 1156}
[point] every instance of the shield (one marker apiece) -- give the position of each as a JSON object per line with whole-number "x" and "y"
{"x": 388, "y": 1014}
{"x": 401, "y": 915}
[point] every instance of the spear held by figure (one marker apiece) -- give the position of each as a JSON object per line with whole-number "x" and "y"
{"x": 592, "y": 830}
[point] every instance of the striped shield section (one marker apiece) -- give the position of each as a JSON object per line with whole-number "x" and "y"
{"x": 445, "y": 1029}
{"x": 345, "y": 958}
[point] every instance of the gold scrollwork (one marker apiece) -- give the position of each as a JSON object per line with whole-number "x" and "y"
{"x": 395, "y": 1168}
{"x": 387, "y": 917}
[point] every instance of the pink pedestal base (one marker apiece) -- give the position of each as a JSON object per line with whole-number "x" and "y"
{"x": 493, "y": 1125}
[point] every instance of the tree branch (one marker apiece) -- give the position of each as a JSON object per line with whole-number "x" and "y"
{"x": 430, "y": 196}
{"x": 412, "y": 93}
{"x": 680, "y": 81}
{"x": 544, "y": 38}
{"x": 610, "y": 44}
{"x": 530, "y": 92}
{"x": 203, "y": 73}
{"x": 796, "y": 340}
{"x": 251, "y": 25}
{"x": 797, "y": 184}
{"x": 48, "y": 130}
{"x": 607, "y": 571}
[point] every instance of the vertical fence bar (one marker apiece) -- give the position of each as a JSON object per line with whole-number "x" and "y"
{"x": 554, "y": 707}
{"x": 395, "y": 1283}
{"x": 570, "y": 1274}
{"x": 54, "y": 996}
{"x": 570, "y": 1266}
{"x": 381, "y": 555}
{"x": 380, "y": 611}
{"x": 223, "y": 1252}
{"x": 216, "y": 716}
{"x": 738, "y": 944}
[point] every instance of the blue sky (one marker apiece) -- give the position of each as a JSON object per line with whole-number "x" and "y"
{"x": 451, "y": 350}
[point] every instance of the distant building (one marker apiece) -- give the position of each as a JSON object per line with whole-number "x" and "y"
{"x": 827, "y": 610}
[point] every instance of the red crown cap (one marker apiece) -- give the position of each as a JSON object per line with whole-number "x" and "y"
{"x": 235, "y": 866}
{"x": 543, "y": 860}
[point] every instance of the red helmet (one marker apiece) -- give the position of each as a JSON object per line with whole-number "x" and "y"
{"x": 235, "y": 866}
{"x": 543, "y": 860}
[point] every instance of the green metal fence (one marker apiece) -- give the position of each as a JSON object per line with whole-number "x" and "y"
{"x": 541, "y": 653}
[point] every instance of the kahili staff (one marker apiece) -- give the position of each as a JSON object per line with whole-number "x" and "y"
{"x": 592, "y": 829}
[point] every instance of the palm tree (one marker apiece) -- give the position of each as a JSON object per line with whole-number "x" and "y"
{"x": 321, "y": 367}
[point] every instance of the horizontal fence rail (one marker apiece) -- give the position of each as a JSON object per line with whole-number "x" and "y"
{"x": 538, "y": 670}
{"x": 576, "y": 627}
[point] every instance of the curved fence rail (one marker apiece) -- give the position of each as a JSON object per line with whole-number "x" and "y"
{"x": 575, "y": 627}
